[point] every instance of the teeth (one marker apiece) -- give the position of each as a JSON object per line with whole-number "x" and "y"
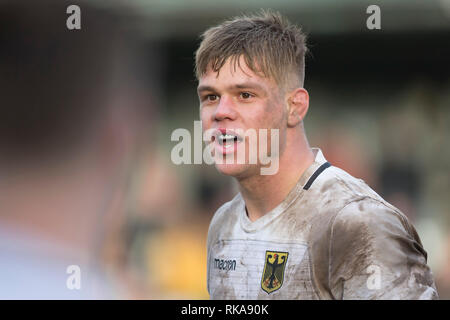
{"x": 227, "y": 140}
{"x": 227, "y": 137}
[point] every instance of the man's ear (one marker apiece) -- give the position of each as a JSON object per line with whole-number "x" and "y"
{"x": 298, "y": 103}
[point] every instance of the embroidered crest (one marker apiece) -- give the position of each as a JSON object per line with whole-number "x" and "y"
{"x": 273, "y": 274}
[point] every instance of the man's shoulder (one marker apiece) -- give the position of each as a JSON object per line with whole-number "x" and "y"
{"x": 355, "y": 200}
{"x": 341, "y": 184}
{"x": 368, "y": 219}
{"x": 341, "y": 202}
{"x": 371, "y": 234}
{"x": 359, "y": 231}
{"x": 330, "y": 192}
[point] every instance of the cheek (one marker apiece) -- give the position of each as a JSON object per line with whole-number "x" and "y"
{"x": 275, "y": 115}
{"x": 205, "y": 117}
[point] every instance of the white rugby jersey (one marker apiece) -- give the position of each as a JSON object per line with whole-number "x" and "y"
{"x": 332, "y": 237}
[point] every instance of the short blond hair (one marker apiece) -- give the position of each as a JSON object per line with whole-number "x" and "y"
{"x": 268, "y": 42}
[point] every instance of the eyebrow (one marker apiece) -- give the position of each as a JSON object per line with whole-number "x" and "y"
{"x": 244, "y": 85}
{"x": 205, "y": 88}
{"x": 249, "y": 85}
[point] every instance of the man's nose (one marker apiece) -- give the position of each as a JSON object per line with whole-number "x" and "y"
{"x": 225, "y": 109}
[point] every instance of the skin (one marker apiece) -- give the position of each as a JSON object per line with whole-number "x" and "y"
{"x": 238, "y": 98}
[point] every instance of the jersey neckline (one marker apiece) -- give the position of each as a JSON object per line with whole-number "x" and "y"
{"x": 253, "y": 226}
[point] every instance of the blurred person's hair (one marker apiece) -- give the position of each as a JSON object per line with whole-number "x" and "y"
{"x": 268, "y": 42}
{"x": 56, "y": 84}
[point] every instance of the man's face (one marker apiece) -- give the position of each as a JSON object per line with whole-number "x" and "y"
{"x": 234, "y": 101}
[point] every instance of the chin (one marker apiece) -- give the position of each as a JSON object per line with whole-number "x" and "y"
{"x": 238, "y": 171}
{"x": 233, "y": 170}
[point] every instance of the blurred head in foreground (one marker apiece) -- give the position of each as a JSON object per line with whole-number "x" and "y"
{"x": 72, "y": 113}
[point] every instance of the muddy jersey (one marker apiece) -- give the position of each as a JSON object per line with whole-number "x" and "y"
{"x": 332, "y": 237}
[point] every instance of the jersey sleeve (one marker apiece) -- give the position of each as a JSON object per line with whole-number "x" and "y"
{"x": 375, "y": 253}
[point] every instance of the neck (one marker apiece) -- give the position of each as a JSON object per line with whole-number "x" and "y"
{"x": 262, "y": 193}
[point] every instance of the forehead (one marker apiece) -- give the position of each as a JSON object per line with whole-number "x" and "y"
{"x": 234, "y": 73}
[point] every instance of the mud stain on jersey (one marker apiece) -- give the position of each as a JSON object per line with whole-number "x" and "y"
{"x": 361, "y": 206}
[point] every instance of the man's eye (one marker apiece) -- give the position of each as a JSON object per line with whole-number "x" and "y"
{"x": 246, "y": 95}
{"x": 211, "y": 97}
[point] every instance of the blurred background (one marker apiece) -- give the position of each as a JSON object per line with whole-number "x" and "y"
{"x": 87, "y": 115}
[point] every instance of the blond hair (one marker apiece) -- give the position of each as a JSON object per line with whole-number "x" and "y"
{"x": 270, "y": 45}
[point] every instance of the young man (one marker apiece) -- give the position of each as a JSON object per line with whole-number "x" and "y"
{"x": 309, "y": 230}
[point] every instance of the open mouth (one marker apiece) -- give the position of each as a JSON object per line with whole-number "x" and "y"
{"x": 228, "y": 139}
